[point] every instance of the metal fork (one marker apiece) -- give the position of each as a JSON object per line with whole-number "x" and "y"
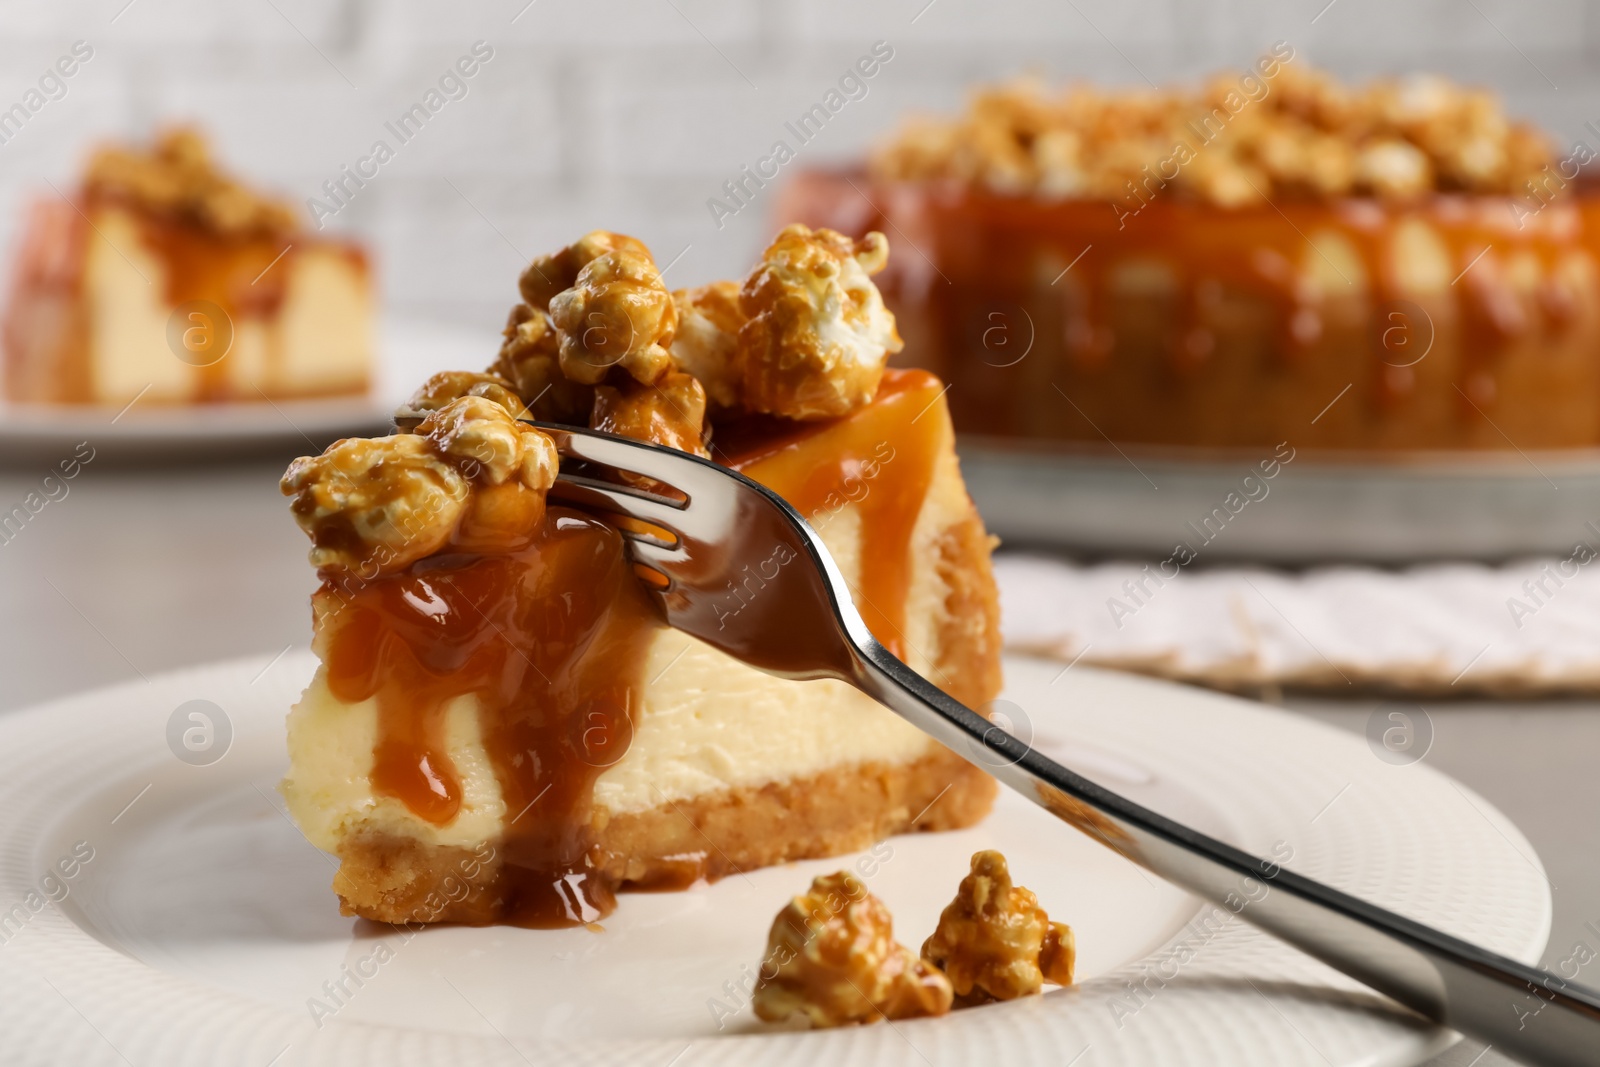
{"x": 740, "y": 569}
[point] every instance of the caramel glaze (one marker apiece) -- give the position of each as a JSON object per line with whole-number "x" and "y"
{"x": 880, "y": 459}
{"x": 1183, "y": 323}
{"x": 551, "y": 639}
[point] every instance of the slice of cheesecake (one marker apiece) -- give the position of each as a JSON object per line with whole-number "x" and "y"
{"x": 503, "y": 729}
{"x": 162, "y": 278}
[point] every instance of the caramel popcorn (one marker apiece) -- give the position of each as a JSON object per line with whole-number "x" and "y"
{"x": 1314, "y": 97}
{"x": 490, "y": 445}
{"x": 617, "y": 313}
{"x": 471, "y": 476}
{"x": 1226, "y": 182}
{"x": 512, "y": 466}
{"x": 832, "y": 960}
{"x": 376, "y": 505}
{"x": 528, "y": 333}
{"x": 671, "y": 412}
{"x": 1393, "y": 168}
{"x": 529, "y": 359}
{"x": 706, "y": 342}
{"x": 1239, "y": 139}
{"x": 995, "y": 942}
{"x": 177, "y": 176}
{"x": 1306, "y": 162}
{"x": 450, "y": 385}
{"x": 548, "y": 275}
{"x": 818, "y": 334}
{"x": 805, "y": 337}
{"x": 925, "y": 149}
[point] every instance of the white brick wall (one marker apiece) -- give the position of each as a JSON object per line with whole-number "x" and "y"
{"x": 628, "y": 114}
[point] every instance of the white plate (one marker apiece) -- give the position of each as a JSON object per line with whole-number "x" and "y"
{"x": 410, "y": 351}
{"x": 202, "y": 930}
{"x": 1379, "y": 509}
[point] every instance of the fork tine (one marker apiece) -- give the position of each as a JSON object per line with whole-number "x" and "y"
{"x": 662, "y": 558}
{"x": 619, "y": 500}
{"x": 645, "y": 538}
{"x": 658, "y": 464}
{"x": 701, "y": 510}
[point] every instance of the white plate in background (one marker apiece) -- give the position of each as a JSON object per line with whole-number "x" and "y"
{"x": 409, "y": 352}
{"x": 203, "y": 931}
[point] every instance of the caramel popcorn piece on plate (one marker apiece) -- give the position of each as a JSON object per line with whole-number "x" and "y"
{"x": 818, "y": 333}
{"x": 470, "y": 476}
{"x": 617, "y": 313}
{"x": 832, "y": 960}
{"x": 994, "y": 942}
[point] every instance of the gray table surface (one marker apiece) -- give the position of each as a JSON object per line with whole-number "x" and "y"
{"x": 140, "y": 570}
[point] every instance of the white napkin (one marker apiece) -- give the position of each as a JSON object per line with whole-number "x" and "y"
{"x": 1532, "y": 626}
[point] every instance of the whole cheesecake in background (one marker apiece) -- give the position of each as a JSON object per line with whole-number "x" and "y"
{"x": 1271, "y": 257}
{"x": 163, "y": 278}
{"x": 503, "y": 728}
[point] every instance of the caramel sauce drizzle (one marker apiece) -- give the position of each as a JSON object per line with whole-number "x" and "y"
{"x": 551, "y": 639}
{"x": 879, "y": 459}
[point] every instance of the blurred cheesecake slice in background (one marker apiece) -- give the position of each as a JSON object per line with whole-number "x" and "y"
{"x": 165, "y": 279}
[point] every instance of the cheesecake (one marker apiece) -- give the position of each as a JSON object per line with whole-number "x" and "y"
{"x": 503, "y": 728}
{"x": 162, "y": 278}
{"x": 1269, "y": 256}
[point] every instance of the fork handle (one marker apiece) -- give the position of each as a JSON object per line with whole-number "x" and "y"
{"x": 1526, "y": 1012}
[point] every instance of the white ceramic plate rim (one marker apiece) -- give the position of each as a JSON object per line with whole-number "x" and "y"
{"x": 1408, "y": 838}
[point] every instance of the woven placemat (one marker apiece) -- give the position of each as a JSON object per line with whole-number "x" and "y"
{"x": 1528, "y": 628}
